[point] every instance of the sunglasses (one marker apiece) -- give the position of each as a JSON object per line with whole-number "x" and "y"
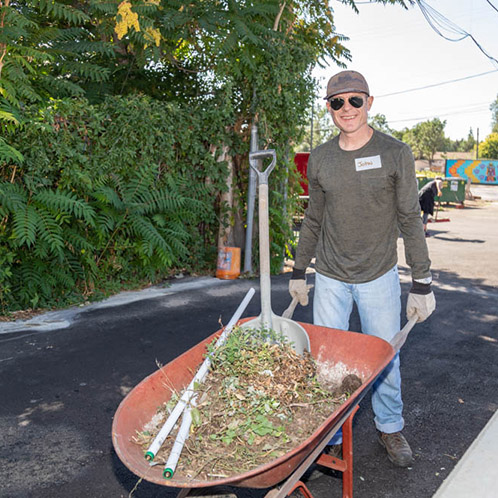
{"x": 337, "y": 102}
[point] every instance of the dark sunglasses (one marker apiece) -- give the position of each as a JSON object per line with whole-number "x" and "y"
{"x": 337, "y": 102}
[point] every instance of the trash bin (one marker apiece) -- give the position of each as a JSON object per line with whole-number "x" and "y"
{"x": 453, "y": 190}
{"x": 422, "y": 180}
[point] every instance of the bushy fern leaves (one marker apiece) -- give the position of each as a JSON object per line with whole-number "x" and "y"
{"x": 25, "y": 225}
{"x": 105, "y": 195}
{"x": 66, "y": 202}
{"x": 7, "y": 152}
{"x": 154, "y": 218}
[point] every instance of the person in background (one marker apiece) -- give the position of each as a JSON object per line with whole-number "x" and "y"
{"x": 426, "y": 197}
{"x": 362, "y": 194}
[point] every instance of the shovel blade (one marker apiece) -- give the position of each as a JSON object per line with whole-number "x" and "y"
{"x": 295, "y": 333}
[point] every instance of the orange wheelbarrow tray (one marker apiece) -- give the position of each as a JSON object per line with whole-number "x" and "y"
{"x": 363, "y": 354}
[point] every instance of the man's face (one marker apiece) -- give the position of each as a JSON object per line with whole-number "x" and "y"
{"x": 349, "y": 118}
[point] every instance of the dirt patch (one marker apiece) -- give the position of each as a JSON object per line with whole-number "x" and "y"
{"x": 259, "y": 401}
{"x": 23, "y": 315}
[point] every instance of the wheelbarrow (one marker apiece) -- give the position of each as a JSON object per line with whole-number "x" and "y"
{"x": 360, "y": 353}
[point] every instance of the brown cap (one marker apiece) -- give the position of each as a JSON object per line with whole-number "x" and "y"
{"x": 346, "y": 81}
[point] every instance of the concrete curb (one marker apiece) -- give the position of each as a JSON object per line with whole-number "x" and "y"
{"x": 476, "y": 472}
{"x": 54, "y": 320}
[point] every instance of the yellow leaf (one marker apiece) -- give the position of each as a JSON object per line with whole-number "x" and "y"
{"x": 128, "y": 19}
{"x": 153, "y": 35}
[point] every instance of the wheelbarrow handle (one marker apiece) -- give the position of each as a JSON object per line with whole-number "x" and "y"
{"x": 262, "y": 154}
{"x": 399, "y": 339}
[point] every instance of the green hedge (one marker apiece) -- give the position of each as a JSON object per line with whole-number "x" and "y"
{"x": 124, "y": 191}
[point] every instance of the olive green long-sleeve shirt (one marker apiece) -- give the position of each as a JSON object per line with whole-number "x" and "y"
{"x": 359, "y": 202}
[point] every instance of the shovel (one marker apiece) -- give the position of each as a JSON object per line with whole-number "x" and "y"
{"x": 294, "y": 332}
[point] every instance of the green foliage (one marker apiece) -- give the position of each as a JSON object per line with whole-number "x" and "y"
{"x": 126, "y": 190}
{"x": 461, "y": 145}
{"x": 426, "y": 138}
{"x": 494, "y": 116}
{"x": 488, "y": 149}
{"x": 379, "y": 122}
{"x": 323, "y": 128}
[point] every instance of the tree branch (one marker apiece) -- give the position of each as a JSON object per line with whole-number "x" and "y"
{"x": 279, "y": 15}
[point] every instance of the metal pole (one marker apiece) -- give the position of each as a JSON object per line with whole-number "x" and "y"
{"x": 477, "y": 146}
{"x": 285, "y": 184}
{"x": 311, "y": 131}
{"x": 251, "y": 197}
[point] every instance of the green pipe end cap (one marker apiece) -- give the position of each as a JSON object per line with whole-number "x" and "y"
{"x": 149, "y": 455}
{"x": 168, "y": 473}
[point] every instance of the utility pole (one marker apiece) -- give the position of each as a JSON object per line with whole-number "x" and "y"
{"x": 251, "y": 197}
{"x": 477, "y": 146}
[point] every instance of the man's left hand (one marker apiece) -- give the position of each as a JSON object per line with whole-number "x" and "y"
{"x": 421, "y": 302}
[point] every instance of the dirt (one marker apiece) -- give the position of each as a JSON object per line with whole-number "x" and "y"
{"x": 21, "y": 315}
{"x": 259, "y": 401}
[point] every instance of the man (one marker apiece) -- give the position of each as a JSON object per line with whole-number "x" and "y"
{"x": 362, "y": 193}
{"x": 426, "y": 198}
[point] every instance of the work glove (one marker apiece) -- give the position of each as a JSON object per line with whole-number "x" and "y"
{"x": 421, "y": 302}
{"x": 298, "y": 288}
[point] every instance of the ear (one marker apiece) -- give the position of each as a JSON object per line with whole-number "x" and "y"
{"x": 328, "y": 107}
{"x": 370, "y": 100}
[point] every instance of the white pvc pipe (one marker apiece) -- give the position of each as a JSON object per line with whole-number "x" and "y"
{"x": 199, "y": 377}
{"x": 181, "y": 438}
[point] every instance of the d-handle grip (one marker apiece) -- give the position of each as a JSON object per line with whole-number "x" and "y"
{"x": 262, "y": 154}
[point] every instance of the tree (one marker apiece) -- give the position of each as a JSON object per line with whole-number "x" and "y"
{"x": 488, "y": 149}
{"x": 379, "y": 122}
{"x": 47, "y": 50}
{"x": 323, "y": 129}
{"x": 494, "y": 118}
{"x": 426, "y": 138}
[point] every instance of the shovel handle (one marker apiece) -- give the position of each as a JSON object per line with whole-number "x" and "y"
{"x": 259, "y": 155}
{"x": 264, "y": 232}
{"x": 399, "y": 339}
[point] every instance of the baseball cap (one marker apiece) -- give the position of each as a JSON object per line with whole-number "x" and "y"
{"x": 346, "y": 81}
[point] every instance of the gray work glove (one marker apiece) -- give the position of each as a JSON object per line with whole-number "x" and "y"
{"x": 298, "y": 288}
{"x": 421, "y": 302}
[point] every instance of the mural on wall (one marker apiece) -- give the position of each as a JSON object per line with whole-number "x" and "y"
{"x": 479, "y": 171}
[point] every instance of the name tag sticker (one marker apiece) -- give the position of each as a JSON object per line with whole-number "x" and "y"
{"x": 364, "y": 163}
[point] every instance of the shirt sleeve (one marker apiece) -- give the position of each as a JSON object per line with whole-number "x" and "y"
{"x": 409, "y": 220}
{"x": 312, "y": 222}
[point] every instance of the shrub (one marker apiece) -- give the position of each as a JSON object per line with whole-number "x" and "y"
{"x": 122, "y": 191}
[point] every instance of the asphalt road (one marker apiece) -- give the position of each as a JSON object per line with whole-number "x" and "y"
{"x": 59, "y": 388}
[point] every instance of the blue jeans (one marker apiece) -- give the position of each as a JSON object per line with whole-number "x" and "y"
{"x": 379, "y": 307}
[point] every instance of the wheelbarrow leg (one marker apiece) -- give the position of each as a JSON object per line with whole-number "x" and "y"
{"x": 301, "y": 487}
{"x": 346, "y": 464}
{"x": 183, "y": 492}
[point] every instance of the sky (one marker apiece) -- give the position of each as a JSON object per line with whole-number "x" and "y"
{"x": 397, "y": 50}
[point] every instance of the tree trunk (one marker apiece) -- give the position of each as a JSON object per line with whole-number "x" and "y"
{"x": 225, "y": 233}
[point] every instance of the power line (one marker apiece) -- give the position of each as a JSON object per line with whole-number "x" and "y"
{"x": 440, "y": 23}
{"x": 436, "y": 84}
{"x": 470, "y": 111}
{"x": 492, "y": 5}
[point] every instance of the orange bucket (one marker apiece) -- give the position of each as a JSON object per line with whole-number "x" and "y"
{"x": 228, "y": 266}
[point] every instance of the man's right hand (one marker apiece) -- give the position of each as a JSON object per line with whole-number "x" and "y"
{"x": 298, "y": 289}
